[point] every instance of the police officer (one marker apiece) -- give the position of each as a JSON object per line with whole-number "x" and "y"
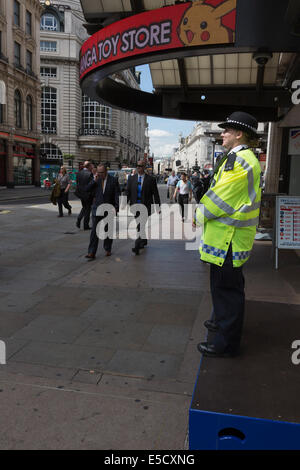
{"x": 229, "y": 212}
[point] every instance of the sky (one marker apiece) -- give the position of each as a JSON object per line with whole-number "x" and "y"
{"x": 163, "y": 133}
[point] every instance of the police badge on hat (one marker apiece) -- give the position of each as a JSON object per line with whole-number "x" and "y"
{"x": 241, "y": 121}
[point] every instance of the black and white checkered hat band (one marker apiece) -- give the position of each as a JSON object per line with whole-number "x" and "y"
{"x": 230, "y": 121}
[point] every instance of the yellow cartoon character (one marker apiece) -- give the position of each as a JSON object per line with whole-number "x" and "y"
{"x": 201, "y": 24}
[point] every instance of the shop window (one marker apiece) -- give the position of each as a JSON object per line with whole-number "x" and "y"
{"x": 49, "y": 110}
{"x": 22, "y": 171}
{"x": 18, "y": 109}
{"x": 29, "y": 113}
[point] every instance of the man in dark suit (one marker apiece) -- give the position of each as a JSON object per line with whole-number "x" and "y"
{"x": 142, "y": 189}
{"x": 106, "y": 191}
{"x": 83, "y": 178}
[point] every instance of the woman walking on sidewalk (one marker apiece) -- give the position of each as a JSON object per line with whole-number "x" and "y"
{"x": 184, "y": 187}
{"x": 64, "y": 181}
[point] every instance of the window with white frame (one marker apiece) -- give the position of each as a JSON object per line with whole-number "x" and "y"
{"x": 49, "y": 72}
{"x": 49, "y": 110}
{"x": 50, "y": 152}
{"x": 48, "y": 46}
{"x": 49, "y": 22}
{"x": 94, "y": 115}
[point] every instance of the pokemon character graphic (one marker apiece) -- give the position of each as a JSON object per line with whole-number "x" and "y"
{"x": 201, "y": 24}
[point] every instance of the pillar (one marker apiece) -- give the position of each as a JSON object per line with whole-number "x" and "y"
{"x": 273, "y": 158}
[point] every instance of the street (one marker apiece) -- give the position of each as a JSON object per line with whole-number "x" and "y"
{"x": 102, "y": 354}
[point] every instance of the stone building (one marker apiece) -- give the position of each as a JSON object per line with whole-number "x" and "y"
{"x": 198, "y": 149}
{"x": 75, "y": 128}
{"x": 19, "y": 92}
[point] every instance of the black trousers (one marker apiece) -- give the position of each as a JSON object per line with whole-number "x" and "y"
{"x": 228, "y": 297}
{"x": 94, "y": 240}
{"x": 85, "y": 212}
{"x": 182, "y": 200}
{"x": 140, "y": 242}
{"x": 63, "y": 200}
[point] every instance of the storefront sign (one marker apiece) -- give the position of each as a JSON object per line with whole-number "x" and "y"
{"x": 288, "y": 222}
{"x": 294, "y": 141}
{"x": 173, "y": 27}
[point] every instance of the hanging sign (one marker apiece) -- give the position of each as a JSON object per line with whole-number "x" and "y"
{"x": 177, "y": 26}
{"x": 288, "y": 222}
{"x": 294, "y": 141}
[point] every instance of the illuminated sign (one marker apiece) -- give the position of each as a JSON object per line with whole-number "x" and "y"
{"x": 174, "y": 27}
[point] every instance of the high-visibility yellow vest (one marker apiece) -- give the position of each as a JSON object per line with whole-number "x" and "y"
{"x": 229, "y": 210}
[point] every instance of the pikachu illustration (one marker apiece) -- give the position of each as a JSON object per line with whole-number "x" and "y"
{"x": 201, "y": 24}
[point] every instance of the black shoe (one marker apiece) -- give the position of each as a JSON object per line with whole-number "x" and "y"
{"x": 90, "y": 256}
{"x": 87, "y": 228}
{"x": 209, "y": 350}
{"x": 211, "y": 325}
{"x": 136, "y": 251}
{"x": 78, "y": 224}
{"x": 60, "y": 215}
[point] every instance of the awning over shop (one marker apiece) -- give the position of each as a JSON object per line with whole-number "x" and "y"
{"x": 247, "y": 60}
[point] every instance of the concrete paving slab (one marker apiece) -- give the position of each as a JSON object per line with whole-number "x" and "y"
{"x": 64, "y": 355}
{"x": 161, "y": 313}
{"x": 66, "y": 419}
{"x": 169, "y": 339}
{"x": 117, "y": 335}
{"x": 19, "y": 303}
{"x": 108, "y": 310}
{"x": 52, "y": 328}
{"x": 87, "y": 377}
{"x": 144, "y": 364}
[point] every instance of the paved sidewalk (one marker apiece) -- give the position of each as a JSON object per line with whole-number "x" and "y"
{"x": 22, "y": 192}
{"x": 102, "y": 354}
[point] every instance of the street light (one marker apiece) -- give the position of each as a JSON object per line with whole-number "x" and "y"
{"x": 47, "y": 3}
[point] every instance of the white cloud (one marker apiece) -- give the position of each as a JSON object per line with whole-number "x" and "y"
{"x": 159, "y": 133}
{"x": 162, "y": 150}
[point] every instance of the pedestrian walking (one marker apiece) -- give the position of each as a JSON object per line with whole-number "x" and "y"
{"x": 197, "y": 186}
{"x": 184, "y": 190}
{"x": 83, "y": 178}
{"x": 229, "y": 211}
{"x": 106, "y": 191}
{"x": 142, "y": 189}
{"x": 171, "y": 184}
{"x": 64, "y": 181}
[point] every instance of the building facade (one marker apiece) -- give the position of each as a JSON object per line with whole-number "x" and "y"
{"x": 19, "y": 92}
{"x": 75, "y": 128}
{"x": 199, "y": 149}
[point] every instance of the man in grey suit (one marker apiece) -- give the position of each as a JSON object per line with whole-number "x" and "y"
{"x": 106, "y": 191}
{"x": 142, "y": 189}
{"x": 83, "y": 178}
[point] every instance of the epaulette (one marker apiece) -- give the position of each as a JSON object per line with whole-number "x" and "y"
{"x": 229, "y": 165}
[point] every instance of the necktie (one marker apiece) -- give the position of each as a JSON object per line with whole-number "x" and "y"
{"x": 139, "y": 193}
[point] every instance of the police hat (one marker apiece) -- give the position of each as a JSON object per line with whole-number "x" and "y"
{"x": 241, "y": 121}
